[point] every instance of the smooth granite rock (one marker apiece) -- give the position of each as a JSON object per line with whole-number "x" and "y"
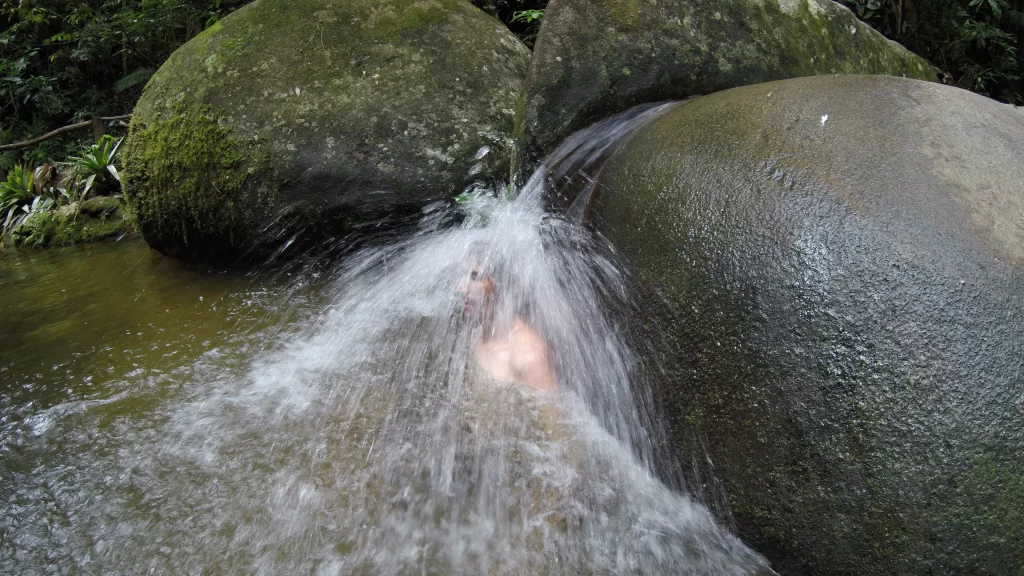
{"x": 836, "y": 265}
{"x": 594, "y": 58}
{"x": 290, "y": 122}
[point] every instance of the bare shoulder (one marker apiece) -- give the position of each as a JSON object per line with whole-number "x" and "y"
{"x": 526, "y": 339}
{"x": 530, "y": 358}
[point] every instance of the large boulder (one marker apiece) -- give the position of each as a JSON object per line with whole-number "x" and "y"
{"x": 594, "y": 58}
{"x": 837, "y": 264}
{"x": 292, "y": 120}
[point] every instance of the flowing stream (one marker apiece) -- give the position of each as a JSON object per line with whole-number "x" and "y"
{"x": 158, "y": 419}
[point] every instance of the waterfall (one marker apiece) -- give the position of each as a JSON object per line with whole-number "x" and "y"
{"x": 366, "y": 438}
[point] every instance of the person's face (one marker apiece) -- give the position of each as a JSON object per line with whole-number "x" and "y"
{"x": 476, "y": 288}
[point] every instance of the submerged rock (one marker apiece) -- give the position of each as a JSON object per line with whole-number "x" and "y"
{"x": 594, "y": 58}
{"x": 841, "y": 266}
{"x": 293, "y": 121}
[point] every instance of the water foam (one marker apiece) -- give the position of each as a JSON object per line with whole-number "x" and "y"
{"x": 366, "y": 440}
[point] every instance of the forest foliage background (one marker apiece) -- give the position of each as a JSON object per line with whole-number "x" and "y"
{"x": 63, "y": 61}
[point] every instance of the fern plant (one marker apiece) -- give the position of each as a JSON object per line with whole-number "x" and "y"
{"x": 135, "y": 78}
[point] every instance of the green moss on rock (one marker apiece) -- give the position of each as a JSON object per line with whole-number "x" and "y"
{"x": 594, "y": 58}
{"x": 83, "y": 230}
{"x": 292, "y": 120}
{"x": 183, "y": 174}
{"x": 99, "y": 206}
{"x": 70, "y": 225}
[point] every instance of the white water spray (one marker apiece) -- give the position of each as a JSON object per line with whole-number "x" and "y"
{"x": 368, "y": 441}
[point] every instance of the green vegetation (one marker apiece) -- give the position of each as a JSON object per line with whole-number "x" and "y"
{"x": 97, "y": 162}
{"x": 63, "y": 61}
{"x": 976, "y": 43}
{"x": 531, "y": 19}
{"x": 18, "y": 190}
{"x": 22, "y": 199}
{"x": 34, "y": 212}
{"x": 177, "y": 156}
{"x": 522, "y": 17}
{"x": 527, "y": 16}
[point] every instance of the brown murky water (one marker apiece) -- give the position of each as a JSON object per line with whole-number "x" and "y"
{"x": 156, "y": 418}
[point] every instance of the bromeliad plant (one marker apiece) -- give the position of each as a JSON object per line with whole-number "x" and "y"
{"x": 22, "y": 197}
{"x": 18, "y": 189}
{"x": 97, "y": 163}
{"x": 25, "y": 198}
{"x": 29, "y": 203}
{"x": 29, "y": 226}
{"x": 19, "y": 193}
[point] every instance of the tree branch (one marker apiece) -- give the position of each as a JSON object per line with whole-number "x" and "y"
{"x": 58, "y": 132}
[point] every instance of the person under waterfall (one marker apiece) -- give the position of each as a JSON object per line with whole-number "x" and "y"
{"x": 505, "y": 347}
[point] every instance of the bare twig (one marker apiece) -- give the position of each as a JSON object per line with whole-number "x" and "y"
{"x": 58, "y": 132}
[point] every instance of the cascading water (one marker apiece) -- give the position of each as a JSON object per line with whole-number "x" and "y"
{"x": 366, "y": 439}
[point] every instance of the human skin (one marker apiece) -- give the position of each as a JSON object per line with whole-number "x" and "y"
{"x": 509, "y": 351}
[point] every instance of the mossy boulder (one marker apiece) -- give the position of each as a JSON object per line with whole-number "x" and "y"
{"x": 836, "y": 267}
{"x": 594, "y": 58}
{"x": 291, "y": 121}
{"x": 79, "y": 223}
{"x": 100, "y": 207}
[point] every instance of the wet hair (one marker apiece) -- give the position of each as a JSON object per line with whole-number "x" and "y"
{"x": 489, "y": 260}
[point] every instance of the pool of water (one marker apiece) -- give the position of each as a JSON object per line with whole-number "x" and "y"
{"x": 336, "y": 419}
{"x": 97, "y": 344}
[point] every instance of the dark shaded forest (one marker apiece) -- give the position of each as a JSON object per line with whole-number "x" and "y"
{"x": 67, "y": 61}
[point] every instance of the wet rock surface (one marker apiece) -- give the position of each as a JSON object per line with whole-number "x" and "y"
{"x": 594, "y": 58}
{"x": 289, "y": 122}
{"x": 838, "y": 266}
